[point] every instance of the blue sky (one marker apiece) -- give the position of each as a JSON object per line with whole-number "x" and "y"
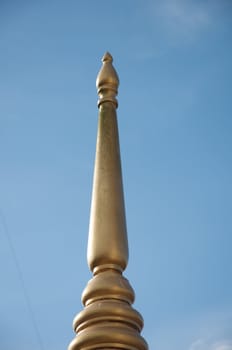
{"x": 174, "y": 63}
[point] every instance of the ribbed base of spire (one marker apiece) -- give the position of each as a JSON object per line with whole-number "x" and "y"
{"x": 108, "y": 321}
{"x": 112, "y": 337}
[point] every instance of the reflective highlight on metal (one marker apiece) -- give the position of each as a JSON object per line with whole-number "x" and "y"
{"x": 108, "y": 321}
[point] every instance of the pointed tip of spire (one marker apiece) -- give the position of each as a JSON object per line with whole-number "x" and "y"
{"x": 107, "y": 57}
{"x": 107, "y": 81}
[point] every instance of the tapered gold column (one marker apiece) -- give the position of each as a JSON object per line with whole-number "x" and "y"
{"x": 108, "y": 320}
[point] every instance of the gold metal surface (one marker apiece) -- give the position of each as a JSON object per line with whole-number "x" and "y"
{"x": 108, "y": 321}
{"x": 107, "y": 81}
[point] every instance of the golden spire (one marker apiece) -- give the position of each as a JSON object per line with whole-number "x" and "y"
{"x": 108, "y": 320}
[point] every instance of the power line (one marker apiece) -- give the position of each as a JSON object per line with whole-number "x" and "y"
{"x": 22, "y": 281}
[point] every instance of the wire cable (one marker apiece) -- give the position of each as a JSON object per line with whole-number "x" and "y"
{"x": 22, "y": 280}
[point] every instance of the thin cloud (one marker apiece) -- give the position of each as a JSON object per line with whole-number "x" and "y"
{"x": 182, "y": 19}
{"x": 202, "y": 344}
{"x": 210, "y": 330}
{"x": 186, "y": 15}
{"x": 171, "y": 23}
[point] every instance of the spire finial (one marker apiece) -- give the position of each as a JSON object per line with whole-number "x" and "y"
{"x": 107, "y": 81}
{"x": 108, "y": 320}
{"x": 107, "y": 57}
